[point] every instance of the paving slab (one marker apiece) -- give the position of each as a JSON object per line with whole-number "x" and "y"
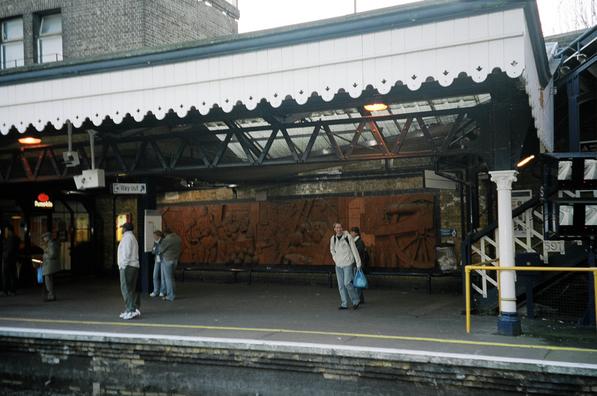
{"x": 276, "y": 312}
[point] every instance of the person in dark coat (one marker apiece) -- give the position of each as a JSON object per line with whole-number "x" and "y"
{"x": 51, "y": 264}
{"x": 159, "y": 282}
{"x": 362, "y": 249}
{"x": 10, "y": 253}
{"x": 170, "y": 249}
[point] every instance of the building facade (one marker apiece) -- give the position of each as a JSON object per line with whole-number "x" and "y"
{"x": 45, "y": 31}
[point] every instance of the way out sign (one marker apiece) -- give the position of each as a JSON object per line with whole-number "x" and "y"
{"x": 129, "y": 188}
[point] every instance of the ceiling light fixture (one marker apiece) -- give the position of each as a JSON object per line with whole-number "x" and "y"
{"x": 376, "y": 107}
{"x": 29, "y": 140}
{"x": 525, "y": 161}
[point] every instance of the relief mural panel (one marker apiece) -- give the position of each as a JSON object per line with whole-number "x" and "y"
{"x": 398, "y": 230}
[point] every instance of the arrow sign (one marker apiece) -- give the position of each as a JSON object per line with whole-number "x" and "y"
{"x": 129, "y": 188}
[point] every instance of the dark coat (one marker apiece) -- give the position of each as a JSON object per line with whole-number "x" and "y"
{"x": 170, "y": 247}
{"x": 10, "y": 249}
{"x": 363, "y": 254}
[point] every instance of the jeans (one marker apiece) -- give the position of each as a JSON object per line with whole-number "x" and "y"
{"x": 168, "y": 268}
{"x": 159, "y": 284}
{"x": 128, "y": 288}
{"x": 49, "y": 287}
{"x": 344, "y": 276}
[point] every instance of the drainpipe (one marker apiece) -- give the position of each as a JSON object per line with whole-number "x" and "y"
{"x": 465, "y": 237}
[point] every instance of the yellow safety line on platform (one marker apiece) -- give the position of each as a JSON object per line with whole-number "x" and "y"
{"x": 310, "y": 332}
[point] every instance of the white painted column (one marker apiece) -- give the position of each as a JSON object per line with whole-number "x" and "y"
{"x": 503, "y": 180}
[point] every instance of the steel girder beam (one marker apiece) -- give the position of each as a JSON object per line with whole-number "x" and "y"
{"x": 375, "y": 131}
{"x": 174, "y": 152}
{"x": 403, "y": 133}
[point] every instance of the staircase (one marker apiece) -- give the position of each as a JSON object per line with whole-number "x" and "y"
{"x": 528, "y": 237}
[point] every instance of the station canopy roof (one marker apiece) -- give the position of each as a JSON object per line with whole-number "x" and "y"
{"x": 236, "y": 89}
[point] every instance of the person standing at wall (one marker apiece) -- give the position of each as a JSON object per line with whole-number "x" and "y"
{"x": 10, "y": 253}
{"x": 51, "y": 264}
{"x": 345, "y": 255}
{"x": 355, "y": 232}
{"x": 159, "y": 284}
{"x": 128, "y": 266}
{"x": 170, "y": 249}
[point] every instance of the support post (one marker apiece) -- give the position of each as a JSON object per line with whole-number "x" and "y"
{"x": 508, "y": 321}
{"x": 145, "y": 202}
{"x": 573, "y": 88}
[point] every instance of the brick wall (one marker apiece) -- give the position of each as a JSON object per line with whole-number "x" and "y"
{"x": 193, "y": 21}
{"x": 104, "y": 207}
{"x": 91, "y": 28}
{"x": 344, "y": 187}
{"x": 50, "y": 364}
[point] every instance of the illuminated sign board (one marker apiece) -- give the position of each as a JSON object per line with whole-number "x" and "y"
{"x": 43, "y": 201}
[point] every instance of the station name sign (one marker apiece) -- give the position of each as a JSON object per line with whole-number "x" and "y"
{"x": 129, "y": 188}
{"x": 43, "y": 201}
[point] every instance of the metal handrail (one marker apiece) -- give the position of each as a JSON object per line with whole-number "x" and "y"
{"x": 14, "y": 63}
{"x": 469, "y": 268}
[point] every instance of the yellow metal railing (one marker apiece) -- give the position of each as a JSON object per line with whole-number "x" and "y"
{"x": 469, "y": 268}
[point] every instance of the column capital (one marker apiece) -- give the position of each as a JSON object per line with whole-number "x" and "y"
{"x": 504, "y": 178}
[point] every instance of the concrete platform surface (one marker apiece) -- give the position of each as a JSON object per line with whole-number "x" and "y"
{"x": 393, "y": 321}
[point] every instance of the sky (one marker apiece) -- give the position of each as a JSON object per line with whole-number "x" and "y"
{"x": 557, "y": 16}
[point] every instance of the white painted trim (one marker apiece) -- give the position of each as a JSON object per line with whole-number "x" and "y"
{"x": 475, "y": 46}
{"x": 541, "y": 99}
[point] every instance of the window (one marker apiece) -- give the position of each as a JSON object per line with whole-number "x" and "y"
{"x": 11, "y": 44}
{"x": 49, "y": 41}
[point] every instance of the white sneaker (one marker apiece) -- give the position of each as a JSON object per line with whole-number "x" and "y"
{"x": 153, "y": 294}
{"x": 162, "y": 295}
{"x": 132, "y": 315}
{"x": 122, "y": 315}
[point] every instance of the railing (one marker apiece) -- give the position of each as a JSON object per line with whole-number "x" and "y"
{"x": 21, "y": 62}
{"x": 527, "y": 233}
{"x": 469, "y": 268}
{"x": 526, "y": 220}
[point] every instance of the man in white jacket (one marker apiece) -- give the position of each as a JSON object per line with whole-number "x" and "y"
{"x": 128, "y": 265}
{"x": 345, "y": 255}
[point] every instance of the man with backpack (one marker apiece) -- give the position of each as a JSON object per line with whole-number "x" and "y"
{"x": 355, "y": 232}
{"x": 345, "y": 255}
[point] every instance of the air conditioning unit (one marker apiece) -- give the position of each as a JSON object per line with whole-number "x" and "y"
{"x": 91, "y": 178}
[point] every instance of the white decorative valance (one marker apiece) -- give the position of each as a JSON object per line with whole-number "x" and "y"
{"x": 474, "y": 45}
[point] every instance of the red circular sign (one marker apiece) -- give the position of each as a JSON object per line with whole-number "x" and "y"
{"x": 43, "y": 197}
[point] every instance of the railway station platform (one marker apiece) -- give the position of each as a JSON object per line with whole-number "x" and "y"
{"x": 276, "y": 338}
